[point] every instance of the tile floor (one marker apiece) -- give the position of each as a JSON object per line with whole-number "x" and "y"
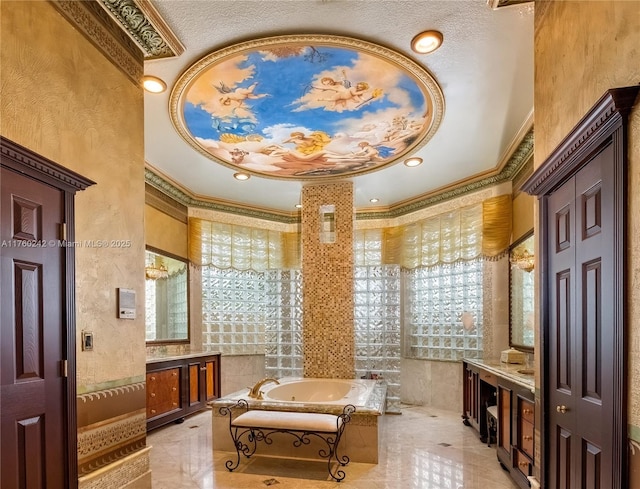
{"x": 423, "y": 448}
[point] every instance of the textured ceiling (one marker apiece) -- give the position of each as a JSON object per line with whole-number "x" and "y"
{"x": 484, "y": 69}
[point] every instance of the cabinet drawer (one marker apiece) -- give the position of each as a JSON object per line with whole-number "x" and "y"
{"x": 526, "y": 440}
{"x": 526, "y": 410}
{"x": 522, "y": 462}
{"x": 489, "y": 378}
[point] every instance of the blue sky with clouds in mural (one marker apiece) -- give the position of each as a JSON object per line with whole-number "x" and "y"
{"x": 298, "y": 110}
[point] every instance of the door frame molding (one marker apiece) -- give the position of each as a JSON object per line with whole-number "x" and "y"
{"x": 604, "y": 124}
{"x": 24, "y": 161}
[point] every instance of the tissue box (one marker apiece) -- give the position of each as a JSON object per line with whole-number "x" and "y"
{"x": 512, "y": 356}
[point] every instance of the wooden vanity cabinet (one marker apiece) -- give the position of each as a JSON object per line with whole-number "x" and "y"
{"x": 479, "y": 392}
{"x": 180, "y": 386}
{"x": 516, "y": 431}
{"x": 487, "y": 384}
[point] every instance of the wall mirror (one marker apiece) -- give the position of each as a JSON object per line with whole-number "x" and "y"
{"x": 521, "y": 306}
{"x": 166, "y": 298}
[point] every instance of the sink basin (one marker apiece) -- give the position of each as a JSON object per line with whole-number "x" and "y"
{"x": 526, "y": 371}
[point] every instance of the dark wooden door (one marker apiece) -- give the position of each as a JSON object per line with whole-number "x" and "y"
{"x": 582, "y": 187}
{"x": 32, "y": 335}
{"x": 581, "y": 253}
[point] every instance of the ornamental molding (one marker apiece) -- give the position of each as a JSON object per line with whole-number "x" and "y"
{"x": 112, "y": 392}
{"x": 144, "y": 25}
{"x": 17, "y": 156}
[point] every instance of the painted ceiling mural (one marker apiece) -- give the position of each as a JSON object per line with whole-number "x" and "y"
{"x": 306, "y": 107}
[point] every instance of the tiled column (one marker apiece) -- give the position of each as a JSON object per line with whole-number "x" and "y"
{"x": 327, "y": 271}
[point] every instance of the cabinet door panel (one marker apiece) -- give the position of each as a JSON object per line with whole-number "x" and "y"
{"x": 194, "y": 383}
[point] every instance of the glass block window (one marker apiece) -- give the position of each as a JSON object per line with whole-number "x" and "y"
{"x": 283, "y": 324}
{"x": 377, "y": 327}
{"x": 177, "y": 314}
{"x": 234, "y": 304}
{"x": 150, "y": 309}
{"x": 443, "y": 311}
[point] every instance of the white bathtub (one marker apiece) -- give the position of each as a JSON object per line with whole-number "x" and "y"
{"x": 319, "y": 391}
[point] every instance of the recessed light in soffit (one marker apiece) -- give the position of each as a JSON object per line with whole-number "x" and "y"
{"x": 153, "y": 84}
{"x": 335, "y": 116}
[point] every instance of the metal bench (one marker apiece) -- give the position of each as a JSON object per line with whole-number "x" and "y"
{"x": 258, "y": 425}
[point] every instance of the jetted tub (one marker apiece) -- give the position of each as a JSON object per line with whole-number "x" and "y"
{"x": 296, "y": 394}
{"x": 319, "y": 391}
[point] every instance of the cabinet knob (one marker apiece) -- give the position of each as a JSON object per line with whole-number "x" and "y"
{"x": 174, "y": 389}
{"x": 153, "y": 378}
{"x": 527, "y": 411}
{"x": 175, "y": 374}
{"x": 153, "y": 411}
{"x": 523, "y": 464}
{"x": 153, "y": 394}
{"x": 528, "y": 437}
{"x": 562, "y": 409}
{"x": 175, "y": 403}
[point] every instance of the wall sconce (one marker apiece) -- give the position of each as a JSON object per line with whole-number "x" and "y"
{"x": 328, "y": 223}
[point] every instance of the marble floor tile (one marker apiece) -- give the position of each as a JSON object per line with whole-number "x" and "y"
{"x": 423, "y": 448}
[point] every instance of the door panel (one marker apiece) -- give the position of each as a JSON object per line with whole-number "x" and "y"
{"x": 32, "y": 401}
{"x": 563, "y": 470}
{"x": 580, "y": 325}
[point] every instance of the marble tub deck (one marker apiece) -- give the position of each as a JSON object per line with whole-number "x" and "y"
{"x": 423, "y": 448}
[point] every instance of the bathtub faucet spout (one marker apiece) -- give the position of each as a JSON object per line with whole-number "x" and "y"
{"x": 255, "y": 391}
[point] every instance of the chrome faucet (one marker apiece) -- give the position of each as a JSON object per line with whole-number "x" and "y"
{"x": 255, "y": 392}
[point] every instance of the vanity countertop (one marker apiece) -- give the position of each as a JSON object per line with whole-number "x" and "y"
{"x": 509, "y": 371}
{"x": 163, "y": 357}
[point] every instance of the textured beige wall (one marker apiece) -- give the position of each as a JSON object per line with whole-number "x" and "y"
{"x": 165, "y": 232}
{"x": 64, "y": 100}
{"x": 581, "y": 50}
{"x": 523, "y": 205}
{"x": 327, "y": 284}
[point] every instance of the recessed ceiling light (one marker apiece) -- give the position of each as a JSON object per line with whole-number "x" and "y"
{"x": 153, "y": 84}
{"x": 374, "y": 200}
{"x": 298, "y": 206}
{"x": 241, "y": 176}
{"x": 414, "y": 161}
{"x": 427, "y": 42}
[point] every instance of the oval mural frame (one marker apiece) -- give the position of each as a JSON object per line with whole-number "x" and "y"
{"x": 353, "y": 107}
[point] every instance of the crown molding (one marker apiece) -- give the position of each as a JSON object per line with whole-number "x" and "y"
{"x": 155, "y": 180}
{"x": 143, "y": 24}
{"x": 511, "y": 169}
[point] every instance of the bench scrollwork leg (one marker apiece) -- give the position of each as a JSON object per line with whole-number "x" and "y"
{"x": 236, "y": 435}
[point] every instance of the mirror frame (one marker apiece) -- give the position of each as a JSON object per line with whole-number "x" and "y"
{"x": 512, "y": 344}
{"x": 187, "y": 340}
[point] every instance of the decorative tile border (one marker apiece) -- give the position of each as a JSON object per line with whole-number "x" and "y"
{"x": 102, "y": 444}
{"x": 112, "y": 424}
{"x": 131, "y": 468}
{"x": 112, "y": 384}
